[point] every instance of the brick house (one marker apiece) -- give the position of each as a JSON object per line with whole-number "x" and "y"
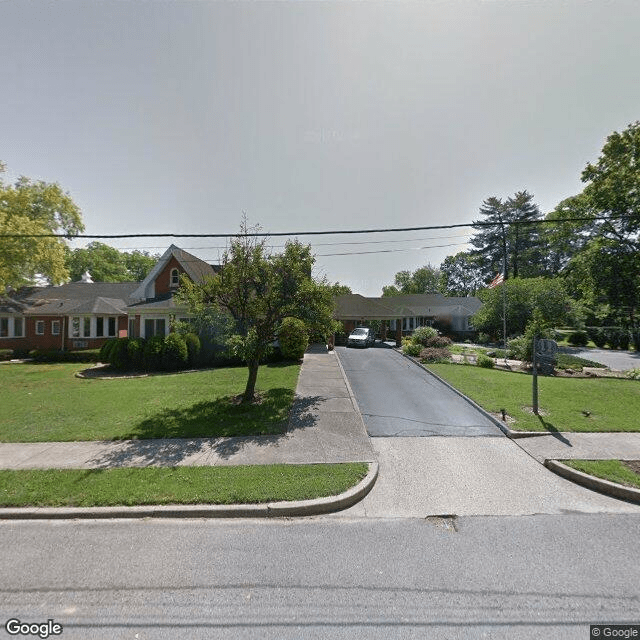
{"x": 84, "y": 314}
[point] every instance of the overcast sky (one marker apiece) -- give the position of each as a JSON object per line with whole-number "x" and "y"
{"x": 175, "y": 117}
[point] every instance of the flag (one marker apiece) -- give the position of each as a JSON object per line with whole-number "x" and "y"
{"x": 499, "y": 279}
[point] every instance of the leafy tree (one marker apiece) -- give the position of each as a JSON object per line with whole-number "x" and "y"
{"x": 258, "y": 291}
{"x": 423, "y": 280}
{"x": 523, "y": 296}
{"x": 35, "y": 208}
{"x": 461, "y": 275}
{"x": 599, "y": 254}
{"x": 107, "y": 264}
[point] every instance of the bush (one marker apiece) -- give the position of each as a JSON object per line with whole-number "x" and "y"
{"x": 613, "y": 338}
{"x": 85, "y": 355}
{"x": 193, "y": 347}
{"x": 633, "y": 374}
{"x": 434, "y": 354}
{"x": 485, "y": 361}
{"x": 119, "y": 355}
{"x": 517, "y": 348}
{"x": 411, "y": 349}
{"x": 422, "y": 335}
{"x": 484, "y": 338}
{"x": 625, "y": 339}
{"x": 578, "y": 338}
{"x": 439, "y": 342}
{"x": 174, "y": 352}
{"x": 105, "y": 350}
{"x": 294, "y": 338}
{"x": 135, "y": 350}
{"x": 598, "y": 336}
{"x": 636, "y": 339}
{"x": 152, "y": 353}
{"x": 6, "y": 354}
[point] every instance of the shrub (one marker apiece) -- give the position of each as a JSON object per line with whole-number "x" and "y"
{"x": 119, "y": 355}
{"x": 440, "y": 342}
{"x": 422, "y": 335}
{"x": 578, "y": 338}
{"x": 85, "y": 355}
{"x": 434, "y": 354}
{"x": 636, "y": 339}
{"x": 625, "y": 339}
{"x": 484, "y": 338}
{"x": 135, "y": 350}
{"x": 485, "y": 361}
{"x": 193, "y": 347}
{"x": 633, "y": 374}
{"x": 6, "y": 354}
{"x": 613, "y": 338}
{"x": 294, "y": 338}
{"x": 152, "y": 353}
{"x": 411, "y": 349}
{"x": 105, "y": 350}
{"x": 598, "y": 336}
{"x": 517, "y": 348}
{"x": 174, "y": 352}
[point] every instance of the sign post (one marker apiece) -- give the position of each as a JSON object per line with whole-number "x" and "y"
{"x": 544, "y": 356}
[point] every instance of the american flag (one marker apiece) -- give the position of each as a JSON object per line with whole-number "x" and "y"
{"x": 499, "y": 279}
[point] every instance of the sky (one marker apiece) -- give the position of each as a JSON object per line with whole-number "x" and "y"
{"x": 178, "y": 117}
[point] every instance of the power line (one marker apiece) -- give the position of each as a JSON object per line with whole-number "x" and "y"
{"x": 305, "y": 233}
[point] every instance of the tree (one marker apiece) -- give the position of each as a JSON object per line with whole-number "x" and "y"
{"x": 508, "y": 234}
{"x": 107, "y": 264}
{"x": 423, "y": 280}
{"x": 599, "y": 253}
{"x": 523, "y": 297}
{"x": 258, "y": 291}
{"x": 461, "y": 275}
{"x": 32, "y": 208}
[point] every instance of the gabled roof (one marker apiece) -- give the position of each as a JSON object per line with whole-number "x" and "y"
{"x": 194, "y": 267}
{"x": 353, "y": 306}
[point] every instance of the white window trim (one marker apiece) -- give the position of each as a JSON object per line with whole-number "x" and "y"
{"x": 55, "y": 332}
{"x": 40, "y": 323}
{"x": 144, "y": 318}
{"x": 173, "y": 285}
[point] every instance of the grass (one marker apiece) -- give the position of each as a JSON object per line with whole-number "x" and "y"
{"x": 46, "y": 402}
{"x": 568, "y": 361}
{"x": 176, "y": 485}
{"x": 612, "y": 404}
{"x": 612, "y": 470}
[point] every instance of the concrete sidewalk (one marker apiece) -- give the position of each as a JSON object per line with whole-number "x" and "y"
{"x": 324, "y": 427}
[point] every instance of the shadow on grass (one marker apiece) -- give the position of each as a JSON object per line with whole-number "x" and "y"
{"x": 220, "y": 427}
{"x": 554, "y": 432}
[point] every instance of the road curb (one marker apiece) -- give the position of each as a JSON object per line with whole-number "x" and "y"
{"x": 300, "y": 508}
{"x": 591, "y": 482}
{"x": 514, "y": 435}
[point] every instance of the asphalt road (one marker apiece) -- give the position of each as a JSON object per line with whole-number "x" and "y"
{"x": 617, "y": 360}
{"x": 498, "y": 577}
{"x": 397, "y": 398}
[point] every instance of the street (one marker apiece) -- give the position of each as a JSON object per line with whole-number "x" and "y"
{"x": 491, "y": 577}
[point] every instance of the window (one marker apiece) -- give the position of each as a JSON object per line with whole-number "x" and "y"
{"x": 132, "y": 328}
{"x": 86, "y": 332}
{"x": 55, "y": 327}
{"x": 99, "y": 327}
{"x": 4, "y": 327}
{"x": 18, "y": 328}
{"x": 39, "y": 327}
{"x": 175, "y": 278}
{"x": 154, "y": 327}
{"x": 111, "y": 326}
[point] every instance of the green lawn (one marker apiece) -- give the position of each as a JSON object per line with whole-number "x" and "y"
{"x": 176, "y": 485}
{"x": 46, "y": 402}
{"x": 612, "y": 470}
{"x": 613, "y": 404}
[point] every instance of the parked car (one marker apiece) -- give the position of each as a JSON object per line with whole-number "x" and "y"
{"x": 361, "y": 337}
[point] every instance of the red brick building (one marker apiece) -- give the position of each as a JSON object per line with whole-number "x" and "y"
{"x": 83, "y": 315}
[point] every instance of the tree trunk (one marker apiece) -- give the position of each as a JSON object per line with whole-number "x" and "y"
{"x": 250, "y": 389}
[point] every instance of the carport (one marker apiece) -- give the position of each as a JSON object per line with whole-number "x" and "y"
{"x": 353, "y": 310}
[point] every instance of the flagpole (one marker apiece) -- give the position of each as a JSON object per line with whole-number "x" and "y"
{"x": 504, "y": 307}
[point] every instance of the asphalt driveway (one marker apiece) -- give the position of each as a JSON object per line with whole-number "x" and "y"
{"x": 397, "y": 398}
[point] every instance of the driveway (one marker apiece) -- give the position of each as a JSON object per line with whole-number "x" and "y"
{"x": 398, "y": 399}
{"x": 616, "y": 360}
{"x": 465, "y": 467}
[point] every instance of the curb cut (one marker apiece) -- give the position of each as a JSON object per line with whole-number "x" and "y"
{"x": 591, "y": 482}
{"x": 513, "y": 435}
{"x": 316, "y": 506}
